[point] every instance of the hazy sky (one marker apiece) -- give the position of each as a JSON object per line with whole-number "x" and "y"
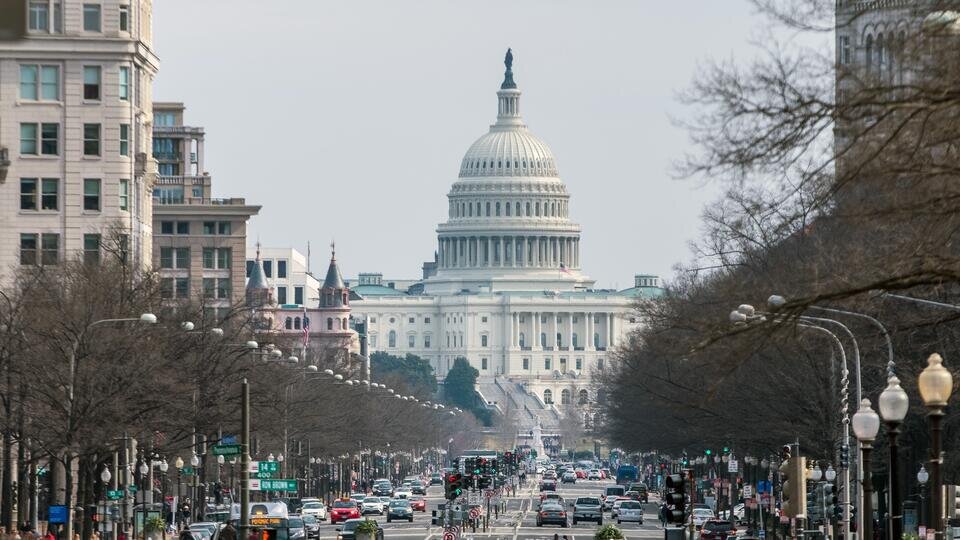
{"x": 348, "y": 119}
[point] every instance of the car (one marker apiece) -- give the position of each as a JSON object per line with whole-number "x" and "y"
{"x": 297, "y": 529}
{"x": 641, "y": 489}
{"x": 312, "y": 525}
{"x": 581, "y": 474}
{"x": 348, "y": 531}
{"x": 418, "y": 503}
{"x": 371, "y": 505}
{"x": 402, "y": 493}
{"x": 205, "y": 528}
{"x": 569, "y": 478}
{"x": 549, "y": 475}
{"x": 552, "y": 513}
{"x": 435, "y": 479}
{"x": 400, "y": 509}
{"x": 717, "y": 529}
{"x": 587, "y": 509}
{"x": 342, "y": 510}
{"x": 384, "y": 503}
{"x": 417, "y": 488}
{"x": 738, "y": 513}
{"x": 608, "y": 500}
{"x": 594, "y": 474}
{"x": 314, "y": 508}
{"x": 548, "y": 485}
{"x": 604, "y": 474}
{"x": 358, "y": 498}
{"x": 628, "y": 511}
{"x": 540, "y": 469}
{"x": 699, "y": 516}
{"x": 383, "y": 488}
{"x": 551, "y": 498}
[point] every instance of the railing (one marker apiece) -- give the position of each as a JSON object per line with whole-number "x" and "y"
{"x": 178, "y": 130}
{"x": 182, "y": 180}
{"x": 167, "y": 156}
{"x": 235, "y": 201}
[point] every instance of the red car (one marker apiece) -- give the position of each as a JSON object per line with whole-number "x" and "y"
{"x": 342, "y": 510}
{"x": 717, "y": 529}
{"x": 418, "y": 503}
{"x": 581, "y": 474}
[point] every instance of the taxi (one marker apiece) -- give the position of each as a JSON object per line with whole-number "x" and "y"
{"x": 342, "y": 510}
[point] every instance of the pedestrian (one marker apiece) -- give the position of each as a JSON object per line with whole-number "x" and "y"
{"x": 663, "y": 514}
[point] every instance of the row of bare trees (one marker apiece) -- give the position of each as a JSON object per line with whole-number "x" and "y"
{"x": 842, "y": 183}
{"x": 83, "y": 369}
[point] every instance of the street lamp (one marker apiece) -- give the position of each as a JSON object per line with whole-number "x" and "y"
{"x": 893, "y": 404}
{"x": 922, "y": 477}
{"x": 817, "y": 473}
{"x": 105, "y": 475}
{"x": 935, "y": 384}
{"x": 830, "y": 474}
{"x": 179, "y": 465}
{"x": 866, "y": 424}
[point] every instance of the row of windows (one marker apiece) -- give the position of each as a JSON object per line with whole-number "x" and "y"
{"x": 268, "y": 268}
{"x": 293, "y": 323}
{"x": 212, "y": 258}
{"x": 483, "y": 164}
{"x": 46, "y": 16}
{"x": 583, "y": 397}
{"x": 43, "y": 249}
{"x": 207, "y": 228}
{"x": 41, "y": 82}
{"x": 297, "y": 295}
{"x": 43, "y": 194}
{"x": 179, "y": 288}
{"x": 528, "y": 209}
{"x": 43, "y": 139}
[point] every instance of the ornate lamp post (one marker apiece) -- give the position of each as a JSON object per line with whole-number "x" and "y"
{"x": 893, "y": 405}
{"x": 179, "y": 465}
{"x": 936, "y": 385}
{"x": 164, "y": 467}
{"x": 866, "y": 424}
{"x": 922, "y": 477}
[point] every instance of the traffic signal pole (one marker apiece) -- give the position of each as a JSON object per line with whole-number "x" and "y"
{"x": 244, "y": 528}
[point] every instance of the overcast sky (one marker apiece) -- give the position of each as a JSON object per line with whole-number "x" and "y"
{"x": 348, "y": 119}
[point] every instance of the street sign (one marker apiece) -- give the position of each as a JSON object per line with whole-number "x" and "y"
{"x": 57, "y": 513}
{"x": 132, "y": 489}
{"x": 474, "y": 513}
{"x": 114, "y": 494}
{"x": 187, "y": 471}
{"x": 747, "y": 491}
{"x": 733, "y": 466}
{"x": 226, "y": 450}
{"x": 229, "y": 439}
{"x": 263, "y": 475}
{"x": 269, "y": 466}
{"x": 254, "y": 466}
{"x": 282, "y": 484}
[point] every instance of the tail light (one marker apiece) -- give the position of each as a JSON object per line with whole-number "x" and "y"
{"x": 563, "y": 514}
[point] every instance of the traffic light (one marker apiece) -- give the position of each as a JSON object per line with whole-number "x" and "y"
{"x": 676, "y": 499}
{"x": 453, "y": 486}
{"x": 708, "y": 451}
{"x": 494, "y": 466}
{"x": 844, "y": 456}
{"x": 793, "y": 474}
{"x": 478, "y": 466}
{"x": 813, "y": 505}
{"x": 832, "y": 502}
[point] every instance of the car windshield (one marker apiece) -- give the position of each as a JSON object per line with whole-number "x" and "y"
{"x": 417, "y": 498}
{"x": 312, "y": 506}
{"x": 702, "y": 512}
{"x": 630, "y": 504}
{"x": 397, "y": 503}
{"x": 295, "y": 523}
{"x": 351, "y": 525}
{"x": 344, "y": 504}
{"x": 310, "y": 520}
{"x": 588, "y": 501}
{"x": 553, "y": 507}
{"x": 718, "y": 525}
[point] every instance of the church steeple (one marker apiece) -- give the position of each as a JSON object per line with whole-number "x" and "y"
{"x": 258, "y": 292}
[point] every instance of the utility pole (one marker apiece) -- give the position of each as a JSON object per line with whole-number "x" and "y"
{"x": 245, "y": 461}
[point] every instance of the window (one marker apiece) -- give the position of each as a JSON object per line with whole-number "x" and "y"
{"x": 582, "y": 396}
{"x": 223, "y": 288}
{"x": 49, "y": 139}
{"x": 39, "y": 16}
{"x": 483, "y": 319}
{"x": 223, "y": 258}
{"x": 296, "y": 323}
{"x": 91, "y": 194}
{"x": 28, "y": 249}
{"x": 166, "y": 227}
{"x": 175, "y": 257}
{"x": 547, "y": 397}
{"x": 579, "y": 364}
{"x": 124, "y": 83}
{"x": 268, "y": 268}
{"x": 599, "y": 363}
{"x": 46, "y": 88}
{"x": 91, "y": 17}
{"x": 288, "y": 324}
{"x": 523, "y": 340}
{"x": 426, "y": 320}
{"x": 218, "y": 259}
{"x": 298, "y": 295}
{"x": 546, "y": 363}
{"x": 373, "y": 320}
{"x": 373, "y": 341}
{"x": 565, "y": 396}
{"x": 392, "y": 339}
{"x": 28, "y": 139}
{"x": 124, "y": 139}
{"x": 124, "y": 18}
{"x": 166, "y": 288}
{"x": 209, "y": 287}
{"x": 573, "y": 341}
{"x": 91, "y": 249}
{"x": 282, "y": 269}
{"x": 844, "y": 50}
{"x": 49, "y": 249}
{"x": 411, "y": 320}
{"x": 426, "y": 341}
{"x": 48, "y": 193}
{"x": 281, "y": 295}
{"x": 91, "y": 139}
{"x": 483, "y": 364}
{"x": 526, "y": 363}
{"x": 28, "y": 82}
{"x": 91, "y": 82}
{"x": 411, "y": 341}
{"x": 543, "y": 340}
{"x": 596, "y": 340}
{"x": 483, "y": 340}
{"x": 182, "y": 287}
{"x": 223, "y": 227}
{"x": 209, "y": 227}
{"x": 124, "y": 194}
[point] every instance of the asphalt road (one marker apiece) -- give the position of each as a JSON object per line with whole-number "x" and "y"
{"x": 518, "y": 522}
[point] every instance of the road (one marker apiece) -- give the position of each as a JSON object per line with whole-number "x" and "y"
{"x": 519, "y": 520}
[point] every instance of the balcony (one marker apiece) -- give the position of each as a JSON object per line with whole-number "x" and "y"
{"x": 199, "y": 201}
{"x": 178, "y": 130}
{"x": 183, "y": 180}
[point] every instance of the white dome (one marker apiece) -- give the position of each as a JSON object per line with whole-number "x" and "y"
{"x": 508, "y": 151}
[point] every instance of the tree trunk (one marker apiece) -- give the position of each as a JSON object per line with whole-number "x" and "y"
{"x": 85, "y": 498}
{"x": 68, "y": 493}
{"x": 6, "y": 483}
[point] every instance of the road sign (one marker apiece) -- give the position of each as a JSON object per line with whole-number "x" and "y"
{"x": 263, "y": 475}
{"x": 474, "y": 513}
{"x": 269, "y": 466}
{"x": 114, "y": 494}
{"x": 254, "y": 467}
{"x": 282, "y": 484}
{"x": 57, "y": 513}
{"x": 733, "y": 466}
{"x": 229, "y": 439}
{"x": 226, "y": 450}
{"x": 747, "y": 491}
{"x": 187, "y": 471}
{"x": 132, "y": 489}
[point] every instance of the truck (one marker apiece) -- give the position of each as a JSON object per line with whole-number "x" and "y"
{"x": 627, "y": 474}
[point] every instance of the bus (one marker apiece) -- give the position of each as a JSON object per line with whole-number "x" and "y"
{"x": 627, "y": 474}
{"x": 268, "y": 520}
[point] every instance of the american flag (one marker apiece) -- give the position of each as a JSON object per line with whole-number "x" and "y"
{"x": 306, "y": 329}
{"x": 563, "y": 268}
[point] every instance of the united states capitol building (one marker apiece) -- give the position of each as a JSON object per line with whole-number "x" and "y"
{"x": 506, "y": 289}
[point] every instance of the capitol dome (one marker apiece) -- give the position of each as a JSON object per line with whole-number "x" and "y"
{"x": 508, "y": 225}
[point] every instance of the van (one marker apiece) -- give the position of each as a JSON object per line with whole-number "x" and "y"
{"x": 615, "y": 490}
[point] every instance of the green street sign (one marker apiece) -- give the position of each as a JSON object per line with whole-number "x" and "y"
{"x": 187, "y": 470}
{"x": 226, "y": 450}
{"x": 278, "y": 485}
{"x": 132, "y": 488}
{"x": 269, "y": 466}
{"x": 114, "y": 494}
{"x": 263, "y": 475}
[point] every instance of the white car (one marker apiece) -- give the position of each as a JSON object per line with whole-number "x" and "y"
{"x": 314, "y": 508}
{"x": 700, "y": 516}
{"x": 594, "y": 475}
{"x": 628, "y": 511}
{"x": 403, "y": 493}
{"x": 371, "y": 505}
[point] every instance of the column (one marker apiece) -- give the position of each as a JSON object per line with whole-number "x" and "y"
{"x": 536, "y": 332}
{"x": 513, "y": 251}
{"x": 512, "y": 333}
{"x": 570, "y": 331}
{"x": 503, "y": 254}
{"x": 588, "y": 329}
{"x": 552, "y": 333}
{"x": 609, "y": 331}
{"x": 476, "y": 251}
{"x": 548, "y": 251}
